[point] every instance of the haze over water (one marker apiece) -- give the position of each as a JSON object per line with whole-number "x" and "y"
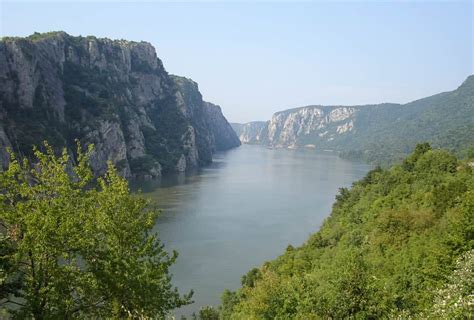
{"x": 243, "y": 210}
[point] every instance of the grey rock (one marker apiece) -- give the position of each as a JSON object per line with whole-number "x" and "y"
{"x": 115, "y": 94}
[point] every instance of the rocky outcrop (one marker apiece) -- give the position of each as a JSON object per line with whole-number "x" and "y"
{"x": 213, "y": 131}
{"x": 290, "y": 128}
{"x": 115, "y": 94}
{"x": 109, "y": 145}
{"x": 296, "y": 127}
{"x": 254, "y": 132}
{"x": 4, "y": 145}
{"x": 224, "y": 136}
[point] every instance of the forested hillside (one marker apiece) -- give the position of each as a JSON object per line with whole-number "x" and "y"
{"x": 398, "y": 243}
{"x": 381, "y": 134}
{"x": 446, "y": 120}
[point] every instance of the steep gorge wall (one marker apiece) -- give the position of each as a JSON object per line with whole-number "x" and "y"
{"x": 298, "y": 127}
{"x": 379, "y": 133}
{"x": 115, "y": 94}
{"x": 289, "y": 128}
{"x": 254, "y": 132}
{"x": 214, "y": 133}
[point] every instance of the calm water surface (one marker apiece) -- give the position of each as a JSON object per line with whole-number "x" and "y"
{"x": 243, "y": 210}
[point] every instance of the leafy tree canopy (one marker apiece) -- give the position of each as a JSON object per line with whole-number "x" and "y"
{"x": 73, "y": 247}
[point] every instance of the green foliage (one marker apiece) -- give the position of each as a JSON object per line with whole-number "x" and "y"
{"x": 208, "y": 313}
{"x": 387, "y": 133}
{"x": 72, "y": 247}
{"x": 251, "y": 277}
{"x": 470, "y": 153}
{"x": 388, "y": 249}
{"x": 229, "y": 299}
{"x": 37, "y": 36}
{"x": 455, "y": 300}
{"x": 143, "y": 165}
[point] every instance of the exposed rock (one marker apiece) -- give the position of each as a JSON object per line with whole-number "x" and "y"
{"x": 189, "y": 144}
{"x": 290, "y": 128}
{"x": 113, "y": 93}
{"x": 378, "y": 133}
{"x": 224, "y": 136}
{"x": 207, "y": 118}
{"x": 251, "y": 132}
{"x": 181, "y": 165}
{"x": 345, "y": 127}
{"x": 287, "y": 127}
{"x": 136, "y": 144}
{"x": 4, "y": 144}
{"x": 109, "y": 146}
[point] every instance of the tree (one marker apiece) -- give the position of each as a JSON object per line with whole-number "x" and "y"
{"x": 420, "y": 150}
{"x": 75, "y": 247}
{"x": 455, "y": 299}
{"x": 206, "y": 313}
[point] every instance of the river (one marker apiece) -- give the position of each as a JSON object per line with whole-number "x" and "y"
{"x": 243, "y": 210}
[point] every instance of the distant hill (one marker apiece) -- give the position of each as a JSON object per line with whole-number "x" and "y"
{"x": 251, "y": 132}
{"x": 380, "y": 133}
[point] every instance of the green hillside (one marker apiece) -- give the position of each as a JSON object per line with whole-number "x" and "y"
{"x": 387, "y": 134}
{"x": 380, "y": 134}
{"x": 398, "y": 243}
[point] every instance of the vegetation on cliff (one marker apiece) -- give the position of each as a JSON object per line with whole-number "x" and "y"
{"x": 388, "y": 134}
{"x": 115, "y": 94}
{"x": 380, "y": 134}
{"x": 398, "y": 243}
{"x": 72, "y": 247}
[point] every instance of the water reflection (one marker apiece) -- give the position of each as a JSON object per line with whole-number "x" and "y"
{"x": 242, "y": 210}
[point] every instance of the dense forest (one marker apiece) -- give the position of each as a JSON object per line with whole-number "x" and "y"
{"x": 387, "y": 134}
{"x": 399, "y": 243}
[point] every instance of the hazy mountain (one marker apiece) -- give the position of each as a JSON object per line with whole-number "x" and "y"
{"x": 377, "y": 133}
{"x": 251, "y": 132}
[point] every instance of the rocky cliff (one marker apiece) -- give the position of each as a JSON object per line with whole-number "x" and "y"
{"x": 221, "y": 130}
{"x": 214, "y": 133}
{"x": 113, "y": 93}
{"x": 254, "y": 132}
{"x": 377, "y": 133}
{"x": 296, "y": 127}
{"x": 292, "y": 127}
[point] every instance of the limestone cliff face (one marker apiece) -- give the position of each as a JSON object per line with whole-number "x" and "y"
{"x": 298, "y": 127}
{"x": 213, "y": 131}
{"x": 291, "y": 127}
{"x": 254, "y": 132}
{"x": 115, "y": 94}
{"x": 224, "y": 136}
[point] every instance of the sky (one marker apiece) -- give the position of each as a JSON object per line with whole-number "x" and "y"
{"x": 256, "y": 58}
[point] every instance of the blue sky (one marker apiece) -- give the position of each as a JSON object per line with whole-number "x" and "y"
{"x": 254, "y": 59}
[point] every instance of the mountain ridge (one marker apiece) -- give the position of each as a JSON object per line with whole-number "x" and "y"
{"x": 115, "y": 94}
{"x": 377, "y": 133}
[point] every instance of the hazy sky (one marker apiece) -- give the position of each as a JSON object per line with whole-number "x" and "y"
{"x": 257, "y": 58}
